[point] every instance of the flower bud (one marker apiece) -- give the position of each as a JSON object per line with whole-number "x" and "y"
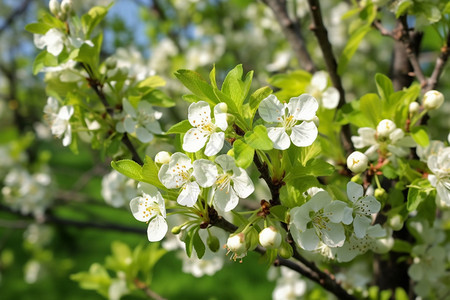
{"x": 270, "y": 238}
{"x": 213, "y": 243}
{"x": 285, "y": 251}
{"x": 236, "y": 244}
{"x": 162, "y": 157}
{"x": 176, "y": 230}
{"x": 385, "y": 127}
{"x": 396, "y": 222}
{"x": 223, "y": 107}
{"x": 414, "y": 108}
{"x": 66, "y": 6}
{"x": 357, "y": 162}
{"x": 380, "y": 194}
{"x": 111, "y": 63}
{"x": 432, "y": 99}
{"x": 54, "y": 7}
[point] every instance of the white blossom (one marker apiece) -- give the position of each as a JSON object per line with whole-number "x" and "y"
{"x": 233, "y": 182}
{"x": 302, "y": 108}
{"x": 53, "y": 39}
{"x": 439, "y": 165}
{"x": 432, "y": 99}
{"x": 387, "y": 139}
{"x": 150, "y": 208}
{"x": 318, "y": 220}
{"x": 117, "y": 189}
{"x": 205, "y": 131}
{"x": 289, "y": 285}
{"x": 328, "y": 97}
{"x": 357, "y": 162}
{"x": 236, "y": 244}
{"x": 180, "y": 172}
{"x": 142, "y": 121}
{"x": 362, "y": 207}
{"x": 270, "y": 238}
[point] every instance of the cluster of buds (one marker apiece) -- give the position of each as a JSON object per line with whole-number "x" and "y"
{"x": 60, "y": 10}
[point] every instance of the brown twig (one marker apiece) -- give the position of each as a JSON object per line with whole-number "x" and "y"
{"x": 291, "y": 29}
{"x": 150, "y": 293}
{"x": 321, "y": 33}
{"x": 439, "y": 66}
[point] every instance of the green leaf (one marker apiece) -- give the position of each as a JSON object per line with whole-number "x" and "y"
{"x": 212, "y": 77}
{"x": 384, "y": 86}
{"x": 402, "y": 7}
{"x": 149, "y": 173}
{"x": 279, "y": 212}
{"x": 158, "y": 98}
{"x": 256, "y": 98}
{"x": 308, "y": 153}
{"x": 291, "y": 84}
{"x": 37, "y": 28}
{"x": 90, "y": 55}
{"x": 370, "y": 106}
{"x": 243, "y": 154}
{"x": 351, "y": 47}
{"x": 415, "y": 197}
{"x": 401, "y": 246}
{"x": 152, "y": 82}
{"x": 128, "y": 168}
{"x": 44, "y": 59}
{"x": 419, "y": 134}
{"x": 181, "y": 127}
{"x": 400, "y": 294}
{"x": 235, "y": 88}
{"x": 198, "y": 245}
{"x": 314, "y": 167}
{"x": 258, "y": 138}
{"x": 197, "y": 85}
{"x": 389, "y": 171}
{"x": 93, "y": 17}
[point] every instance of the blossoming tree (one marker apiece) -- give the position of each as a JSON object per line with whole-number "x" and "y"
{"x": 331, "y": 168}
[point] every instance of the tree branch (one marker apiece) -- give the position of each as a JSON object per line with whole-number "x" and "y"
{"x": 49, "y": 218}
{"x": 321, "y": 33}
{"x": 150, "y": 293}
{"x": 16, "y": 13}
{"x": 291, "y": 29}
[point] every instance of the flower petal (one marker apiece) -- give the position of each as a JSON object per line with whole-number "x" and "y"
{"x": 138, "y": 208}
{"x": 303, "y": 107}
{"x": 205, "y": 172}
{"x": 335, "y": 211}
{"x": 225, "y": 200}
{"x": 143, "y": 135}
{"x": 271, "y": 109}
{"x": 189, "y": 194}
{"x": 319, "y": 80}
{"x": 67, "y": 136}
{"x": 319, "y": 201}
{"x": 330, "y": 98}
{"x": 157, "y": 229}
{"x": 279, "y": 137}
{"x": 220, "y": 118}
{"x": 354, "y": 191}
{"x": 360, "y": 225}
{"x": 226, "y": 162}
{"x": 215, "y": 143}
{"x": 304, "y": 135}
{"x": 129, "y": 124}
{"x": 333, "y": 235}
{"x": 368, "y": 205}
{"x": 128, "y": 108}
{"x": 308, "y": 239}
{"x": 242, "y": 183}
{"x": 199, "y": 113}
{"x": 194, "y": 140}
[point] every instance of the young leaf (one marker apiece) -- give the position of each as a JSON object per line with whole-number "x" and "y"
{"x": 384, "y": 86}
{"x": 37, "y": 28}
{"x": 351, "y": 47}
{"x": 243, "y": 154}
{"x": 149, "y": 173}
{"x": 181, "y": 127}
{"x": 258, "y": 138}
{"x": 128, "y": 168}
{"x": 419, "y": 134}
{"x": 198, "y": 245}
{"x": 197, "y": 85}
{"x": 415, "y": 197}
{"x": 152, "y": 82}
{"x": 370, "y": 106}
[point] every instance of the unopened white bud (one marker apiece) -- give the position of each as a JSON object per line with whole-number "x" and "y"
{"x": 357, "y": 162}
{"x": 414, "y": 108}
{"x": 269, "y": 238}
{"x": 385, "y": 127}
{"x": 54, "y": 7}
{"x": 396, "y": 222}
{"x": 432, "y": 99}
{"x": 223, "y": 107}
{"x": 236, "y": 244}
{"x": 111, "y": 63}
{"x": 66, "y": 6}
{"x": 162, "y": 157}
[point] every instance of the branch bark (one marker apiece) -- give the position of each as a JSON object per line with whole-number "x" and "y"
{"x": 291, "y": 29}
